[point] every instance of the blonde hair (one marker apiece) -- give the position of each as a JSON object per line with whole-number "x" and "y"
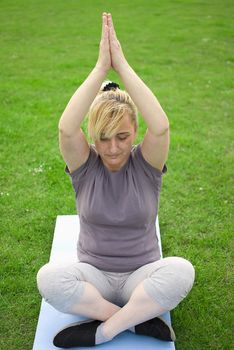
{"x": 106, "y": 112}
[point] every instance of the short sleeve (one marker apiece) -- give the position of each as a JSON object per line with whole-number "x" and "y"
{"x": 153, "y": 174}
{"x": 80, "y": 174}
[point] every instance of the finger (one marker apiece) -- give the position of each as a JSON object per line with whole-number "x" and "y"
{"x": 114, "y": 35}
{"x": 104, "y": 24}
{"x": 111, "y": 25}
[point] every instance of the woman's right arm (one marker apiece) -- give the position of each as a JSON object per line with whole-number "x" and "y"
{"x": 73, "y": 144}
{"x": 72, "y": 141}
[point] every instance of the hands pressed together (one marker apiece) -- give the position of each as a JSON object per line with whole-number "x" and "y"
{"x": 110, "y": 51}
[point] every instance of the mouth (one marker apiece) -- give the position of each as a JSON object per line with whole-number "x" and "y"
{"x": 113, "y": 157}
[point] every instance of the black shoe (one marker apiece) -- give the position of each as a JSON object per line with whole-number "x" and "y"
{"x": 77, "y": 334}
{"x": 157, "y": 328}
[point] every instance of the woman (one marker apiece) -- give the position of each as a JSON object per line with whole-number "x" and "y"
{"x": 120, "y": 282}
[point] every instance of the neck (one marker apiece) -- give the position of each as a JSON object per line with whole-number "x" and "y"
{"x": 113, "y": 167}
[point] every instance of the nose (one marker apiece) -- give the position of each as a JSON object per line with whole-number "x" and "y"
{"x": 113, "y": 146}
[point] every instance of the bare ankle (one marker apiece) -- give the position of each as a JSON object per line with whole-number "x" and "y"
{"x": 106, "y": 331}
{"x": 107, "y": 310}
{"x": 99, "y": 310}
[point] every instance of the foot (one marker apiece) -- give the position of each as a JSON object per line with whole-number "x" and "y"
{"x": 77, "y": 334}
{"x": 156, "y": 328}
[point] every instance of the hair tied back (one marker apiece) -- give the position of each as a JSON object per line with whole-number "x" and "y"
{"x": 109, "y": 85}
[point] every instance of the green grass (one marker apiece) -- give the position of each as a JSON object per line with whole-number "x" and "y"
{"x": 184, "y": 51}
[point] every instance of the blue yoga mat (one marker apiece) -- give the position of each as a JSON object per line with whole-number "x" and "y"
{"x": 51, "y": 321}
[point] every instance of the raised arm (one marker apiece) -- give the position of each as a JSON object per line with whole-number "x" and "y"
{"x": 72, "y": 141}
{"x": 155, "y": 145}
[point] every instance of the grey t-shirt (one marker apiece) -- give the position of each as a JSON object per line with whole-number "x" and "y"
{"x": 117, "y": 212}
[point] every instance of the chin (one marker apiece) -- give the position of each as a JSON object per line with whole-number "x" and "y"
{"x": 114, "y": 164}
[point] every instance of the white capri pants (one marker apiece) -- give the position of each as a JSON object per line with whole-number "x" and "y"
{"x": 167, "y": 281}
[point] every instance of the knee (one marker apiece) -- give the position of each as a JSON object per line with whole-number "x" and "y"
{"x": 45, "y": 280}
{"x": 41, "y": 279}
{"x": 185, "y": 271}
{"x": 171, "y": 283}
{"x": 183, "y": 274}
{"x": 60, "y": 286}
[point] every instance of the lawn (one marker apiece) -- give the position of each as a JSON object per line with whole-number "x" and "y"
{"x": 184, "y": 51}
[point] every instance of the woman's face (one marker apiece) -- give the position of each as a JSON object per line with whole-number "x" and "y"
{"x": 115, "y": 152}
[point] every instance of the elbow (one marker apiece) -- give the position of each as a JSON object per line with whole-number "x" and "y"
{"x": 166, "y": 126}
{"x": 67, "y": 132}
{"x": 161, "y": 124}
{"x": 64, "y": 130}
{"x": 163, "y": 129}
{"x": 166, "y": 123}
{"x": 160, "y": 131}
{"x": 60, "y": 125}
{"x": 67, "y": 127}
{"x": 61, "y": 128}
{"x": 63, "y": 125}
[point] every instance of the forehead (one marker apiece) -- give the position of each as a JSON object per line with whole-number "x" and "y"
{"x": 125, "y": 124}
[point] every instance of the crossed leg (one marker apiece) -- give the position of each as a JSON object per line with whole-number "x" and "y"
{"x": 148, "y": 292}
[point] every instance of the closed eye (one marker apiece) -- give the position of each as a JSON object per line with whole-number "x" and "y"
{"x": 122, "y": 136}
{"x": 104, "y": 139}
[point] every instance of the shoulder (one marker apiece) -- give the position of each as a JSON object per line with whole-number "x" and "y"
{"x": 139, "y": 158}
{"x": 155, "y": 148}
{"x": 85, "y": 171}
{"x": 89, "y": 165}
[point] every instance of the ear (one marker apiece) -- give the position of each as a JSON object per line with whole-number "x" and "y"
{"x": 136, "y": 133}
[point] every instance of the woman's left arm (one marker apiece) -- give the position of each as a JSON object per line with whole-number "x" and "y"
{"x": 155, "y": 145}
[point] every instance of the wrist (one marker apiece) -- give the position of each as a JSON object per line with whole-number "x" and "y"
{"x": 101, "y": 70}
{"x": 123, "y": 68}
